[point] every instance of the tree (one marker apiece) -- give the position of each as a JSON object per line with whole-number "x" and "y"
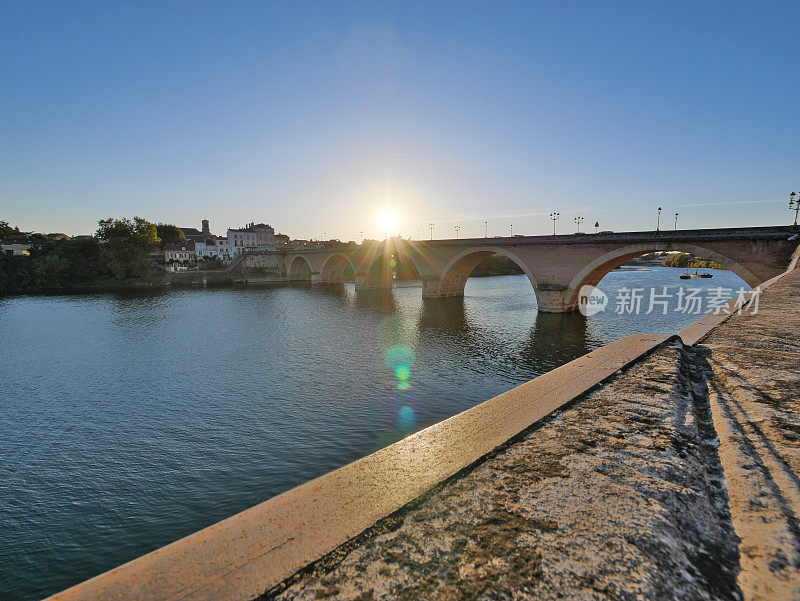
{"x": 687, "y": 260}
{"x": 6, "y": 231}
{"x": 14, "y": 233}
{"x": 127, "y": 244}
{"x": 170, "y": 234}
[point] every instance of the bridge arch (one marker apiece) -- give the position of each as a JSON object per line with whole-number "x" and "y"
{"x": 299, "y": 269}
{"x": 382, "y": 263}
{"x": 456, "y": 272}
{"x": 595, "y": 270}
{"x": 336, "y": 269}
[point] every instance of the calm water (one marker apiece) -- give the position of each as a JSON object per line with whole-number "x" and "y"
{"x": 129, "y": 421}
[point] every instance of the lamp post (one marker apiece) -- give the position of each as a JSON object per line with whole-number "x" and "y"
{"x": 430, "y": 225}
{"x": 794, "y": 205}
{"x": 554, "y": 216}
{"x": 676, "y": 222}
{"x": 658, "y": 223}
{"x": 458, "y": 227}
{"x": 485, "y": 229}
{"x": 578, "y": 221}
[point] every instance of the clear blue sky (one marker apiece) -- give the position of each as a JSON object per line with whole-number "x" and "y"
{"x": 315, "y": 117}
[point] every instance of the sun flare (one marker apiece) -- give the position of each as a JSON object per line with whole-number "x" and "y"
{"x": 388, "y": 222}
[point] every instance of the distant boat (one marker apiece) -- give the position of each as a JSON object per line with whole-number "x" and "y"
{"x": 706, "y": 275}
{"x": 685, "y": 276}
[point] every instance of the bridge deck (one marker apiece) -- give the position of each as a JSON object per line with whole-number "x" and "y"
{"x": 765, "y": 233}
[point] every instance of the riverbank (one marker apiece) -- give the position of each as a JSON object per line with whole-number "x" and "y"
{"x": 157, "y": 281}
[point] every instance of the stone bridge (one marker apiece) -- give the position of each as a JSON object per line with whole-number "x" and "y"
{"x": 557, "y": 266}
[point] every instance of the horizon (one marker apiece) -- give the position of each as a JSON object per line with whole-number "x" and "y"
{"x": 322, "y": 119}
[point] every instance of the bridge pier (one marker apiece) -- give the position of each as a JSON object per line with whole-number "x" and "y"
{"x": 552, "y": 298}
{"x": 365, "y": 282}
{"x": 430, "y": 288}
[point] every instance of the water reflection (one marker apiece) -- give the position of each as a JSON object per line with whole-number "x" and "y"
{"x": 556, "y": 338}
{"x": 446, "y": 315}
{"x": 381, "y": 299}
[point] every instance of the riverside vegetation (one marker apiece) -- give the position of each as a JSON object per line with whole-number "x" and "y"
{"x": 689, "y": 261}
{"x": 121, "y": 250}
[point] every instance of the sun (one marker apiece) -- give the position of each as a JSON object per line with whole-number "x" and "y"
{"x": 388, "y": 222}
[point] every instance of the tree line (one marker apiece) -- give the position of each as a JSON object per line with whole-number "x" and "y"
{"x": 119, "y": 250}
{"x": 689, "y": 261}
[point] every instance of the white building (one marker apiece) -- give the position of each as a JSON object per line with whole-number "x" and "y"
{"x": 253, "y": 238}
{"x": 18, "y": 249}
{"x": 213, "y": 247}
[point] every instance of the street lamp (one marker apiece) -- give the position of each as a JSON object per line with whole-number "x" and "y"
{"x": 676, "y": 222}
{"x": 458, "y": 227}
{"x": 554, "y": 216}
{"x": 578, "y": 221}
{"x": 430, "y": 225}
{"x": 794, "y": 206}
{"x": 658, "y": 223}
{"x": 485, "y": 229}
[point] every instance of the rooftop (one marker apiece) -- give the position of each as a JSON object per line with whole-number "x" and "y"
{"x": 253, "y": 227}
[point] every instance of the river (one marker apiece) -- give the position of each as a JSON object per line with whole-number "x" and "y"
{"x": 131, "y": 420}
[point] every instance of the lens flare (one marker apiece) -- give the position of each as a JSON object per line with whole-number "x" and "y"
{"x": 406, "y": 418}
{"x": 402, "y": 372}
{"x": 400, "y": 359}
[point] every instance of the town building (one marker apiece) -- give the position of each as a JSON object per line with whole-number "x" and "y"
{"x": 16, "y": 248}
{"x": 182, "y": 253}
{"x": 206, "y": 244}
{"x": 255, "y": 237}
{"x": 192, "y": 233}
{"x": 213, "y": 246}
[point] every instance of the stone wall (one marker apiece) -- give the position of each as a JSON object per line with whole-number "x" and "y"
{"x": 266, "y": 265}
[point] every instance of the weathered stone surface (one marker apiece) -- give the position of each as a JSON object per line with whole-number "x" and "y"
{"x": 752, "y": 363}
{"x": 618, "y": 497}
